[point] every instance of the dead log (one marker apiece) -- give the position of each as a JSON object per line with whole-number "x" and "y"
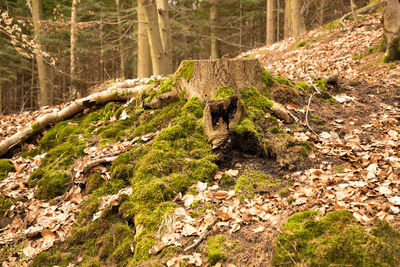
{"x": 115, "y": 93}
{"x": 364, "y": 10}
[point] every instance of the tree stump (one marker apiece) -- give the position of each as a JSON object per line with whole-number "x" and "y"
{"x": 208, "y": 75}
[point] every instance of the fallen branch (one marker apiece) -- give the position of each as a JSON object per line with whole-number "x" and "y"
{"x": 115, "y": 93}
{"x": 201, "y": 238}
{"x": 308, "y": 107}
{"x": 364, "y": 10}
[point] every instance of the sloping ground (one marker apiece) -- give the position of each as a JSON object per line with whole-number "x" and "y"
{"x": 332, "y": 50}
{"x": 143, "y": 187}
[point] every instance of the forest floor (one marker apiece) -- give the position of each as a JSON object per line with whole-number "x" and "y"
{"x": 354, "y": 166}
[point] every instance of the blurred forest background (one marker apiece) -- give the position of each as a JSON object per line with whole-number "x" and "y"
{"x": 106, "y": 42}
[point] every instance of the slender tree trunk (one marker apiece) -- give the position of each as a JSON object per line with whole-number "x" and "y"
{"x": 354, "y": 11}
{"x": 144, "y": 58}
{"x": 74, "y": 88}
{"x": 158, "y": 56}
{"x": 294, "y": 20}
{"x": 121, "y": 43}
{"x": 44, "y": 85}
{"x": 213, "y": 34}
{"x": 1, "y": 100}
{"x": 165, "y": 31}
{"x": 271, "y": 21}
{"x": 391, "y": 26}
{"x": 322, "y": 12}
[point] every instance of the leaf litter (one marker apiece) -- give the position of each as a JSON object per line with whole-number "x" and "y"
{"x": 366, "y": 183}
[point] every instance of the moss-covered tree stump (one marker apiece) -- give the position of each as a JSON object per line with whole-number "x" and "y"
{"x": 209, "y": 75}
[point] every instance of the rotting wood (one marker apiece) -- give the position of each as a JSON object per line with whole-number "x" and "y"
{"x": 220, "y": 116}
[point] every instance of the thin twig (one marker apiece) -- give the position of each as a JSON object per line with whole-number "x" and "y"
{"x": 308, "y": 107}
{"x": 295, "y": 263}
{"x": 201, "y": 238}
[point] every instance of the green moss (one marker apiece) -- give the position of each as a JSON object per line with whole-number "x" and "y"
{"x": 321, "y": 84}
{"x": 283, "y": 80}
{"x": 215, "y": 249}
{"x": 35, "y": 128}
{"x": 224, "y": 92}
{"x": 302, "y": 44}
{"x": 226, "y": 181}
{"x": 244, "y": 126}
{"x": 252, "y": 98}
{"x": 252, "y": 182}
{"x": 385, "y": 59}
{"x": 335, "y": 239}
{"x": 284, "y": 192}
{"x": 301, "y": 85}
{"x": 93, "y": 182}
{"x": 157, "y": 170}
{"x": 50, "y": 259}
{"x": 142, "y": 248}
{"x": 338, "y": 168}
{"x": 267, "y": 78}
{"x": 6, "y": 166}
{"x": 332, "y": 25}
{"x": 194, "y": 106}
{"x": 185, "y": 71}
{"x": 52, "y": 185}
{"x": 5, "y": 204}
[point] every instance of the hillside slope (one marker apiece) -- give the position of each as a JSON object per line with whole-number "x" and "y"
{"x": 122, "y": 185}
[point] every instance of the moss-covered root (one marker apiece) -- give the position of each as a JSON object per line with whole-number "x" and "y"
{"x": 5, "y": 167}
{"x": 337, "y": 239}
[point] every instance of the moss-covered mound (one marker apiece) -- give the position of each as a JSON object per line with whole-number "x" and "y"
{"x": 178, "y": 157}
{"x": 157, "y": 171}
{"x": 337, "y": 239}
{"x": 5, "y": 167}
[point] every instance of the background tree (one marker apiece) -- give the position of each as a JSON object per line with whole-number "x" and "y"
{"x": 165, "y": 32}
{"x": 74, "y": 89}
{"x": 42, "y": 68}
{"x": 111, "y": 41}
{"x": 294, "y": 20}
{"x": 144, "y": 57}
{"x": 391, "y": 24}
{"x": 271, "y": 21}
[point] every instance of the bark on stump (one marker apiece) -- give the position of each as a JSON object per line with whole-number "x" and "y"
{"x": 208, "y": 75}
{"x": 220, "y": 116}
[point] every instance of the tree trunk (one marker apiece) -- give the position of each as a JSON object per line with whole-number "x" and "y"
{"x": 391, "y": 25}
{"x": 213, "y": 34}
{"x": 44, "y": 90}
{"x": 1, "y": 100}
{"x": 271, "y": 21}
{"x": 322, "y": 12}
{"x": 294, "y": 20}
{"x": 74, "y": 87}
{"x": 121, "y": 49}
{"x": 144, "y": 58}
{"x": 354, "y": 11}
{"x": 158, "y": 56}
{"x": 165, "y": 31}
